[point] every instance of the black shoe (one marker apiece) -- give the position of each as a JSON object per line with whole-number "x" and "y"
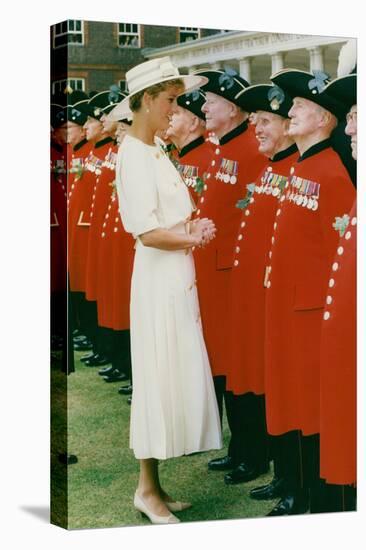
{"x": 272, "y": 490}
{"x": 223, "y": 463}
{"x": 77, "y": 339}
{"x": 129, "y": 400}
{"x": 291, "y": 505}
{"x": 244, "y": 473}
{"x": 125, "y": 390}
{"x": 115, "y": 376}
{"x": 83, "y": 345}
{"x": 83, "y": 358}
{"x": 106, "y": 371}
{"x": 66, "y": 458}
{"x": 97, "y": 361}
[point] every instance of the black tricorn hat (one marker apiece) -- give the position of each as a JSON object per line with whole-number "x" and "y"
{"x": 75, "y": 97}
{"x": 55, "y": 110}
{"x": 224, "y": 82}
{"x": 265, "y": 97}
{"x": 297, "y": 83}
{"x": 96, "y": 106}
{"x": 193, "y": 102}
{"x": 73, "y": 111}
{"x": 344, "y": 89}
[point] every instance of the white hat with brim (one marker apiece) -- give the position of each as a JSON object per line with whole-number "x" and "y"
{"x": 148, "y": 74}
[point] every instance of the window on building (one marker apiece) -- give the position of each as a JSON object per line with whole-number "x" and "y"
{"x": 188, "y": 33}
{"x": 128, "y": 35}
{"x": 68, "y": 32}
{"x": 76, "y": 84}
{"x": 123, "y": 86}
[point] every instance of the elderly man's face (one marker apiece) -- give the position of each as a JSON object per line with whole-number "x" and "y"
{"x": 109, "y": 126}
{"x": 121, "y": 132}
{"x": 270, "y": 132}
{"x": 93, "y": 129}
{"x": 75, "y": 133}
{"x": 217, "y": 110}
{"x": 305, "y": 117}
{"x": 180, "y": 123}
{"x": 351, "y": 129}
{"x": 60, "y": 134}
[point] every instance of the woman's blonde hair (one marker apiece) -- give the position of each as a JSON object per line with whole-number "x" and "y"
{"x": 153, "y": 91}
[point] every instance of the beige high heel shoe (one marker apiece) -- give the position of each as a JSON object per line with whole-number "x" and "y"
{"x": 177, "y": 506}
{"x": 140, "y": 505}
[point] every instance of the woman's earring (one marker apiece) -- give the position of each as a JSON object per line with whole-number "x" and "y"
{"x": 148, "y": 110}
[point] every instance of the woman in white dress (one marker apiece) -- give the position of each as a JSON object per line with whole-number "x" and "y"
{"x": 174, "y": 410}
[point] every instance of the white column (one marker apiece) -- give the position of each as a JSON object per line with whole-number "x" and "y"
{"x": 277, "y": 62}
{"x": 316, "y": 58}
{"x": 244, "y": 68}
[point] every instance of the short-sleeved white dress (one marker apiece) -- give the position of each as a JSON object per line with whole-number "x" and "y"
{"x": 174, "y": 410}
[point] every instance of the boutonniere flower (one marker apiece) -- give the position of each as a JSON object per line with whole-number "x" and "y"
{"x": 243, "y": 203}
{"x": 199, "y": 185}
{"x": 341, "y": 224}
{"x": 77, "y": 168}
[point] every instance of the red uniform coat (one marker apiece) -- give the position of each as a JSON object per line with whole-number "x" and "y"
{"x": 192, "y": 161}
{"x": 104, "y": 178}
{"x": 80, "y": 215}
{"x": 245, "y": 347}
{"x": 58, "y": 218}
{"x": 79, "y": 185}
{"x": 115, "y": 264}
{"x": 303, "y": 246}
{"x": 235, "y": 162}
{"x": 123, "y": 256}
{"x": 105, "y": 265}
{"x": 338, "y": 365}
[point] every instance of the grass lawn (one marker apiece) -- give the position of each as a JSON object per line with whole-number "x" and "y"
{"x": 101, "y": 485}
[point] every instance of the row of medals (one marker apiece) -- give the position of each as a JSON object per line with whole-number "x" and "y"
{"x": 93, "y": 167}
{"x": 110, "y": 160}
{"x": 190, "y": 182}
{"x": 306, "y": 201}
{"x": 268, "y": 190}
{"x": 226, "y": 178}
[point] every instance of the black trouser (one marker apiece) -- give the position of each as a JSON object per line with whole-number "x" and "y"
{"x": 326, "y": 497}
{"x": 85, "y": 317}
{"x": 247, "y": 422}
{"x": 297, "y": 460}
{"x": 121, "y": 352}
{"x": 249, "y": 441}
{"x": 58, "y": 314}
{"x": 68, "y": 352}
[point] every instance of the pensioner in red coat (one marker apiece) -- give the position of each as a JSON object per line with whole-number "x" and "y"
{"x": 303, "y": 247}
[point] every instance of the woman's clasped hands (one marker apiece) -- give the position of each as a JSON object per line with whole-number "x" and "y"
{"x": 204, "y": 230}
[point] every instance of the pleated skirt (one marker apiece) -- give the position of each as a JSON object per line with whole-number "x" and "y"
{"x": 174, "y": 409}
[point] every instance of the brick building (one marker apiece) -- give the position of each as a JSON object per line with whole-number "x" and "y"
{"x": 90, "y": 55}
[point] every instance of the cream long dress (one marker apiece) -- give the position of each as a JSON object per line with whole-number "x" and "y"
{"x": 174, "y": 410}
